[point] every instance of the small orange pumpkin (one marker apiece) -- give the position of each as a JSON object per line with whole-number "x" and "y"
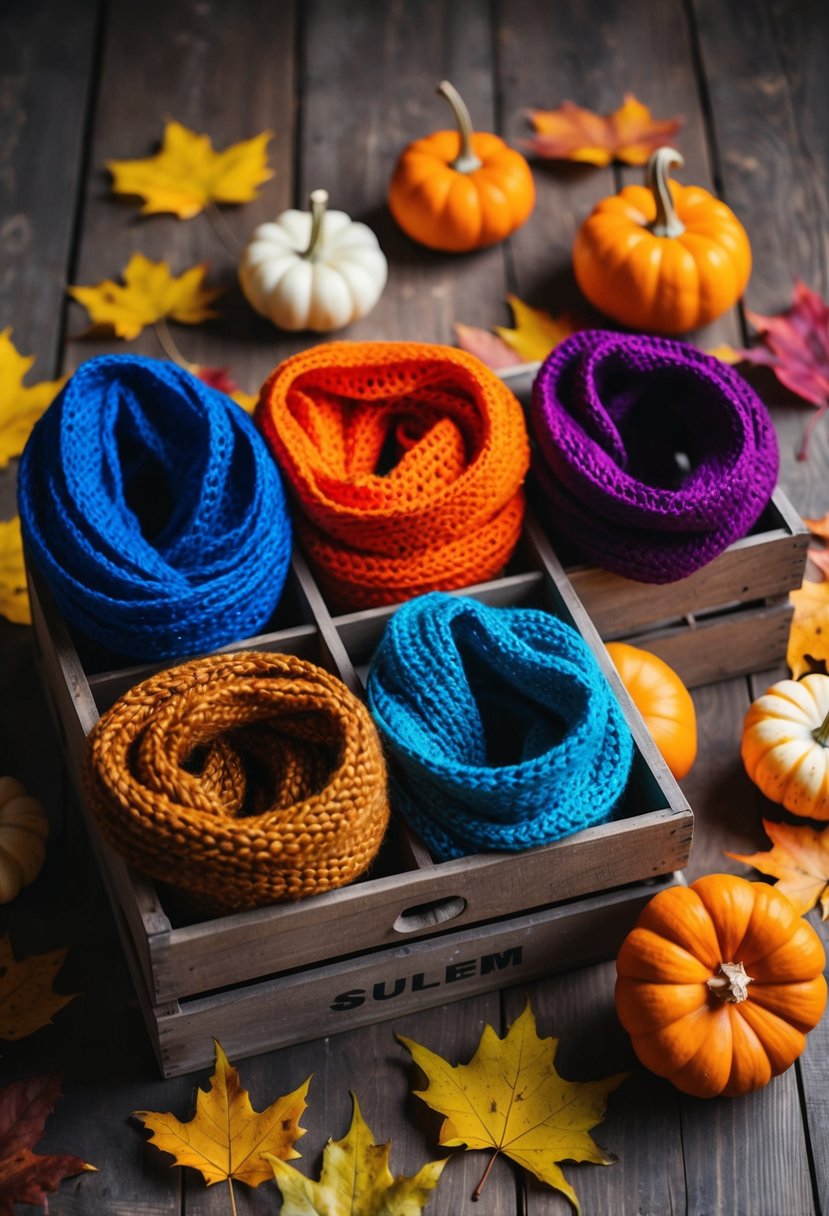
{"x": 785, "y": 744}
{"x": 662, "y": 257}
{"x": 663, "y": 701}
{"x": 460, "y": 190}
{"x": 719, "y": 984}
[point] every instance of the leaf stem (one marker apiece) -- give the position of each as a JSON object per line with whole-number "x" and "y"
{"x": 476, "y": 1194}
{"x": 168, "y": 345}
{"x": 803, "y": 454}
{"x": 223, "y": 230}
{"x": 232, "y": 1197}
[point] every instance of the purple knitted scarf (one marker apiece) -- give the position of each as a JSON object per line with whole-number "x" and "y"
{"x": 651, "y": 456}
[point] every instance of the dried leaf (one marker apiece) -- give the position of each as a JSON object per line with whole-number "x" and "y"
{"x": 809, "y": 632}
{"x": 725, "y": 353}
{"x": 220, "y": 378}
{"x": 27, "y": 999}
{"x": 629, "y": 134}
{"x": 25, "y": 1177}
{"x": 799, "y": 858}
{"x": 510, "y": 1098}
{"x": 149, "y": 294}
{"x": 187, "y": 173}
{"x": 491, "y": 350}
{"x": 534, "y": 335}
{"x": 20, "y": 405}
{"x": 355, "y": 1180}
{"x": 819, "y": 527}
{"x": 226, "y": 1138}
{"x": 14, "y": 596}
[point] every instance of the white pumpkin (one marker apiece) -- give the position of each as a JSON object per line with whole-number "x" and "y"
{"x": 23, "y": 832}
{"x": 315, "y": 270}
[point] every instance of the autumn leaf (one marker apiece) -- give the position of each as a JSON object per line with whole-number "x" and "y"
{"x": 14, "y": 596}
{"x": 534, "y": 335}
{"x": 819, "y": 556}
{"x": 220, "y": 378}
{"x": 226, "y": 1138}
{"x": 27, "y": 999}
{"x": 20, "y": 405}
{"x": 187, "y": 173}
{"x": 510, "y": 1098}
{"x": 149, "y": 294}
{"x": 26, "y": 1177}
{"x": 809, "y": 630}
{"x": 355, "y": 1180}
{"x": 799, "y": 858}
{"x": 630, "y": 133}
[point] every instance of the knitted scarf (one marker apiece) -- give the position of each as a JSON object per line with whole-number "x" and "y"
{"x": 406, "y": 463}
{"x": 502, "y": 730}
{"x": 240, "y": 780}
{"x": 610, "y": 414}
{"x": 154, "y": 510}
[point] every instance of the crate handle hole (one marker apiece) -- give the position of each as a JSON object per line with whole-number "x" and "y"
{"x": 436, "y": 912}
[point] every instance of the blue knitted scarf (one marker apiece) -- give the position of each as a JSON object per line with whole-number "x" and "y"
{"x": 501, "y": 728}
{"x": 154, "y": 510}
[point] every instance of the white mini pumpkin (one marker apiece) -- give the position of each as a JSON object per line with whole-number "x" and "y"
{"x": 23, "y": 832}
{"x": 316, "y": 270}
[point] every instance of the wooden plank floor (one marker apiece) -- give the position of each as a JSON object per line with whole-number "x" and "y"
{"x": 344, "y": 86}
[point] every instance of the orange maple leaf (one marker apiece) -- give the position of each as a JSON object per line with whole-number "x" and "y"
{"x": 799, "y": 859}
{"x": 809, "y": 632}
{"x": 629, "y": 134}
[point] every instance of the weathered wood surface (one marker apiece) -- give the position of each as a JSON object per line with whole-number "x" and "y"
{"x": 343, "y": 87}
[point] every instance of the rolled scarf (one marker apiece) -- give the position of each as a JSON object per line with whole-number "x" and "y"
{"x": 610, "y": 415}
{"x": 501, "y": 729}
{"x": 154, "y": 510}
{"x": 240, "y": 780}
{"x": 406, "y": 463}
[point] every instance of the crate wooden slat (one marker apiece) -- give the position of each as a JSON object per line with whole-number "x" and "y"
{"x": 727, "y": 619}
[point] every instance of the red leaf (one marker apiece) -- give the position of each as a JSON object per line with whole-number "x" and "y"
{"x": 796, "y": 348}
{"x": 25, "y": 1177}
{"x": 489, "y": 348}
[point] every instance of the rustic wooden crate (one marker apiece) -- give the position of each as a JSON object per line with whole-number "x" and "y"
{"x": 730, "y": 618}
{"x": 271, "y": 976}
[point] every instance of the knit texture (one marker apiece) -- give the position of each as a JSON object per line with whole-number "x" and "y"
{"x": 501, "y": 728}
{"x": 610, "y": 413}
{"x": 154, "y": 510}
{"x": 240, "y": 780}
{"x": 406, "y": 462}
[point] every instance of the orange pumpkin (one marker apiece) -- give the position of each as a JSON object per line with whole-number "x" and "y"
{"x": 663, "y": 701}
{"x": 662, "y": 257}
{"x": 460, "y": 190}
{"x": 718, "y": 985}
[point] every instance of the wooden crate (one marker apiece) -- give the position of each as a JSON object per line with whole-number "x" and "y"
{"x": 273, "y": 975}
{"x": 730, "y": 618}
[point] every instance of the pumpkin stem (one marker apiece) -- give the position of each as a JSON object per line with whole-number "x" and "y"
{"x": 466, "y": 161}
{"x": 319, "y": 202}
{"x": 731, "y": 985}
{"x": 821, "y": 733}
{"x": 667, "y": 222}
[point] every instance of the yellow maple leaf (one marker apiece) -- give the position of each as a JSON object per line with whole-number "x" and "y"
{"x": 809, "y": 632}
{"x": 509, "y": 1098}
{"x": 799, "y": 858}
{"x": 226, "y": 1138}
{"x": 572, "y": 132}
{"x": 536, "y": 332}
{"x": 355, "y": 1180}
{"x": 149, "y": 293}
{"x": 188, "y": 173}
{"x": 725, "y": 353}
{"x": 20, "y": 405}
{"x": 14, "y": 595}
{"x": 27, "y": 1000}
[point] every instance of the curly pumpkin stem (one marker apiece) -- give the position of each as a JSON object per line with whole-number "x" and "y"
{"x": 821, "y": 733}
{"x": 319, "y": 202}
{"x": 667, "y": 222}
{"x": 466, "y": 161}
{"x": 731, "y": 985}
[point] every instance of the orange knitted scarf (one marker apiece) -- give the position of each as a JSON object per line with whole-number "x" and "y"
{"x": 240, "y": 779}
{"x": 406, "y": 463}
